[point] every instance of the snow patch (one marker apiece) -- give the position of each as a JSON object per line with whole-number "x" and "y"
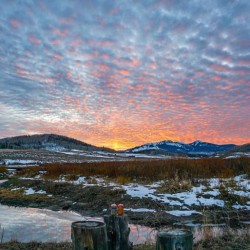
{"x": 140, "y": 210}
{"x": 30, "y": 191}
{"x": 182, "y": 212}
{"x": 20, "y": 162}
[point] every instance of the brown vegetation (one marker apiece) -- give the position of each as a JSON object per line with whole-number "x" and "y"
{"x": 3, "y": 169}
{"x": 152, "y": 170}
{"x": 176, "y": 184}
{"x": 3, "y": 172}
{"x": 14, "y": 245}
{"x": 228, "y": 242}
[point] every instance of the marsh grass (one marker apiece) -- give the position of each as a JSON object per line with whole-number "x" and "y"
{"x": 150, "y": 170}
{"x": 15, "y": 245}
{"x": 71, "y": 177}
{"x": 123, "y": 180}
{"x": 3, "y": 172}
{"x": 226, "y": 242}
{"x": 231, "y": 198}
{"x": 91, "y": 180}
{"x": 18, "y": 195}
{"x": 176, "y": 185}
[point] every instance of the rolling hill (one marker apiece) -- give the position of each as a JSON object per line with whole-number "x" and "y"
{"x": 50, "y": 142}
{"x": 197, "y": 148}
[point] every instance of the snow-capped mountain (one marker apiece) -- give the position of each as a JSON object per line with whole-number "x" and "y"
{"x": 194, "y": 148}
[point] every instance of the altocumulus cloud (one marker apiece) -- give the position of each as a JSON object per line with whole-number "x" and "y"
{"x": 122, "y": 73}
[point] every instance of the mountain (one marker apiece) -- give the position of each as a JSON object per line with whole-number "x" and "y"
{"x": 197, "y": 148}
{"x": 51, "y": 142}
{"x": 238, "y": 151}
{"x": 243, "y": 148}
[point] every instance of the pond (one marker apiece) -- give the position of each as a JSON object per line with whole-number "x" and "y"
{"x": 33, "y": 224}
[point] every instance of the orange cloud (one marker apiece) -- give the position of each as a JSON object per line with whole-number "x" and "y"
{"x": 124, "y": 72}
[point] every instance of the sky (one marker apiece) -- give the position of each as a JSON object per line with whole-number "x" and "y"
{"x": 122, "y": 73}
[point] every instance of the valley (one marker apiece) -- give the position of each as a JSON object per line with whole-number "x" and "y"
{"x": 157, "y": 190}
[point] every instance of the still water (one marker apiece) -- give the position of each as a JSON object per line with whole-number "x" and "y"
{"x": 32, "y": 224}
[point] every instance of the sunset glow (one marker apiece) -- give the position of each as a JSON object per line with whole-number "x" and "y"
{"x": 123, "y": 73}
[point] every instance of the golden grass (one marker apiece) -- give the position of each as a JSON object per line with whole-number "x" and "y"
{"x": 175, "y": 185}
{"x": 150, "y": 170}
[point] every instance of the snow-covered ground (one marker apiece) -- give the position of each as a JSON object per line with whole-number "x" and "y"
{"x": 201, "y": 195}
{"x": 182, "y": 199}
{"x": 238, "y": 154}
{"x": 2, "y": 181}
{"x": 206, "y": 194}
{"x": 20, "y": 162}
{"x": 17, "y": 158}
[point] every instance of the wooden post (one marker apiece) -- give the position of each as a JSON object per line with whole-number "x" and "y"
{"x": 89, "y": 235}
{"x": 177, "y": 239}
{"x": 118, "y": 232}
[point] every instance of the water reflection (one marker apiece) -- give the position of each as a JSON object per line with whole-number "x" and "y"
{"x": 141, "y": 234}
{"x": 27, "y": 224}
{"x": 31, "y": 224}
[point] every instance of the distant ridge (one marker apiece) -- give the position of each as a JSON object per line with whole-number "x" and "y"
{"x": 54, "y": 142}
{"x": 243, "y": 148}
{"x": 196, "y": 148}
{"x": 51, "y": 142}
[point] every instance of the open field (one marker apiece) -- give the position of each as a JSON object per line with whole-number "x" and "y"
{"x": 196, "y": 184}
{"x": 154, "y": 192}
{"x": 150, "y": 170}
{"x": 39, "y": 157}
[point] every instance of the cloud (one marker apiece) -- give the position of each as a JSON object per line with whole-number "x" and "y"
{"x": 126, "y": 72}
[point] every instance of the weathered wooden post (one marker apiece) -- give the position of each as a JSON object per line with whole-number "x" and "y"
{"x": 178, "y": 239}
{"x": 89, "y": 235}
{"x": 118, "y": 232}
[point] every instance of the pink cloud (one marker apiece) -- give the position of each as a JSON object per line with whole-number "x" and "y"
{"x": 34, "y": 40}
{"x": 15, "y": 23}
{"x": 60, "y": 32}
{"x": 56, "y": 42}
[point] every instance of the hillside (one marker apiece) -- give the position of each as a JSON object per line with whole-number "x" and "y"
{"x": 243, "y": 148}
{"x": 197, "y": 148}
{"x": 51, "y": 142}
{"x": 236, "y": 152}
